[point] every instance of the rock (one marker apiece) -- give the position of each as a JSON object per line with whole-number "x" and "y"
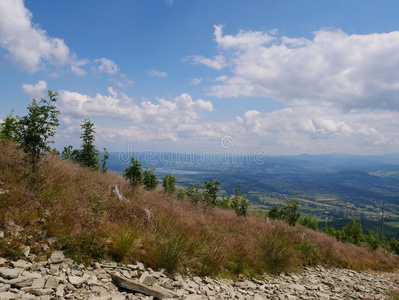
{"x": 42, "y": 292}
{"x": 8, "y": 295}
{"x": 77, "y": 281}
{"x": 140, "y": 266}
{"x": 21, "y": 282}
{"x": 2, "y": 262}
{"x": 38, "y": 283}
{"x": 21, "y": 264}
{"x": 52, "y": 282}
{"x": 135, "y": 286}
{"x": 147, "y": 279}
{"x": 56, "y": 257}
{"x": 10, "y": 273}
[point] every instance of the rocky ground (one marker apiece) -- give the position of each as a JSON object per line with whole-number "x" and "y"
{"x": 61, "y": 278}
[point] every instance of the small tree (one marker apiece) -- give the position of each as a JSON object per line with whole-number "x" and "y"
{"x": 291, "y": 211}
{"x": 275, "y": 213}
{"x": 8, "y": 127}
{"x": 35, "y": 130}
{"x": 194, "y": 193}
{"x": 150, "y": 180}
{"x": 181, "y": 193}
{"x": 226, "y": 202}
{"x": 211, "y": 189}
{"x": 235, "y": 201}
{"x": 134, "y": 173}
{"x": 169, "y": 184}
{"x": 104, "y": 161}
{"x": 243, "y": 206}
{"x": 88, "y": 154}
{"x": 310, "y": 222}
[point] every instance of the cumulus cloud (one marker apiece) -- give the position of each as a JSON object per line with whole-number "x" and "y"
{"x": 156, "y": 73}
{"x": 217, "y": 63}
{"x": 35, "y": 91}
{"x": 28, "y": 45}
{"x": 163, "y": 118}
{"x": 350, "y": 71}
{"x": 106, "y": 65}
{"x": 196, "y": 81}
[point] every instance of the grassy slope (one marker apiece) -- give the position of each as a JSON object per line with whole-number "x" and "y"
{"x": 74, "y": 205}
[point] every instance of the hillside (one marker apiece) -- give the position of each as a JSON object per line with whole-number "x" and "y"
{"x": 73, "y": 207}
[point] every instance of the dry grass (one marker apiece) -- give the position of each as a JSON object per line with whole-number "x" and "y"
{"x": 73, "y": 204}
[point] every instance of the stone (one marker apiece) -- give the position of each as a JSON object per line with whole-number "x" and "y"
{"x": 21, "y": 282}
{"x": 52, "y": 282}
{"x": 56, "y": 257}
{"x": 42, "y": 292}
{"x": 147, "y": 279}
{"x": 10, "y": 273}
{"x": 38, "y": 283}
{"x": 8, "y": 295}
{"x": 21, "y": 264}
{"x": 77, "y": 281}
{"x": 135, "y": 286}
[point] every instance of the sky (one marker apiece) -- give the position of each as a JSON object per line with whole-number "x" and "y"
{"x": 281, "y": 77}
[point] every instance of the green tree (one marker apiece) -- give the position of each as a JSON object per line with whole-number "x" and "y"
{"x": 134, "y": 173}
{"x": 372, "y": 240}
{"x": 194, "y": 194}
{"x": 243, "y": 206}
{"x": 104, "y": 161}
{"x": 310, "y": 222}
{"x": 291, "y": 211}
{"x": 8, "y": 127}
{"x": 211, "y": 190}
{"x": 181, "y": 193}
{"x": 235, "y": 201}
{"x": 150, "y": 180}
{"x": 88, "y": 154}
{"x": 35, "y": 130}
{"x": 275, "y": 213}
{"x": 169, "y": 184}
{"x": 226, "y": 202}
{"x": 352, "y": 232}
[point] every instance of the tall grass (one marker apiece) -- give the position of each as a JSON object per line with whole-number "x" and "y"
{"x": 74, "y": 205}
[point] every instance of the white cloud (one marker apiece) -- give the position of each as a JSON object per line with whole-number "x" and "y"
{"x": 196, "y": 81}
{"x": 217, "y": 63}
{"x": 28, "y": 45}
{"x": 122, "y": 81}
{"x": 168, "y": 119}
{"x": 169, "y": 2}
{"x": 35, "y": 91}
{"x": 106, "y": 65}
{"x": 350, "y": 71}
{"x": 156, "y": 73}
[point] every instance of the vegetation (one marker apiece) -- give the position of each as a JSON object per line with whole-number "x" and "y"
{"x": 88, "y": 154}
{"x": 34, "y": 131}
{"x": 89, "y": 223}
{"x": 150, "y": 180}
{"x": 134, "y": 173}
{"x": 290, "y": 212}
{"x": 169, "y": 184}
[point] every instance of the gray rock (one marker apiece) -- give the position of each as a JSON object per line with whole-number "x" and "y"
{"x": 56, "y": 257}
{"x": 52, "y": 282}
{"x": 77, "y": 281}
{"x": 8, "y": 295}
{"x": 21, "y": 282}
{"x": 135, "y": 286}
{"x": 38, "y": 283}
{"x": 10, "y": 273}
{"x": 147, "y": 279}
{"x": 21, "y": 264}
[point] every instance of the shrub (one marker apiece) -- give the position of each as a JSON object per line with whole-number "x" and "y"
{"x": 309, "y": 253}
{"x": 124, "y": 242}
{"x": 169, "y": 184}
{"x": 150, "y": 180}
{"x": 279, "y": 254}
{"x": 170, "y": 252}
{"x": 134, "y": 173}
{"x": 309, "y": 222}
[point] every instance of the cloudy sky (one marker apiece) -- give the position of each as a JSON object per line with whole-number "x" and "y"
{"x": 284, "y": 77}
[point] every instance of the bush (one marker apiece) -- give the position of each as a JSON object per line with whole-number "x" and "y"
{"x": 171, "y": 252}
{"x": 279, "y": 254}
{"x": 309, "y": 222}
{"x": 310, "y": 253}
{"x": 124, "y": 242}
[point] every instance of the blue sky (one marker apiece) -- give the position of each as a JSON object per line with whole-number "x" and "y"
{"x": 284, "y": 77}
